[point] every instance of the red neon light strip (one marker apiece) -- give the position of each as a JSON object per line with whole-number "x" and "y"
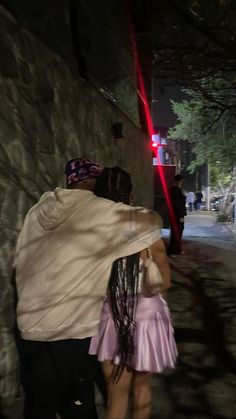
{"x": 143, "y": 96}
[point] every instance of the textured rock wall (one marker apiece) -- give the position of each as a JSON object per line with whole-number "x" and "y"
{"x": 48, "y": 115}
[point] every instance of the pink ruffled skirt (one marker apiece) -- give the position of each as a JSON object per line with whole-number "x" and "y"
{"x": 155, "y": 347}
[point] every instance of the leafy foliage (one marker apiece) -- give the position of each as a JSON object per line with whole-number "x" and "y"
{"x": 208, "y": 121}
{"x": 186, "y": 40}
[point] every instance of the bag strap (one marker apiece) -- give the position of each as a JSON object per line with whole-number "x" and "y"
{"x": 149, "y": 253}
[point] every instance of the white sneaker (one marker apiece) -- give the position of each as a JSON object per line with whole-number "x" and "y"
{"x": 78, "y": 402}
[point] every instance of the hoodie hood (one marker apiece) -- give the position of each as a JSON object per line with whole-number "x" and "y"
{"x": 55, "y": 207}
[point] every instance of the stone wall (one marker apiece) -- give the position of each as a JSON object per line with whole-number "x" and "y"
{"x": 47, "y": 116}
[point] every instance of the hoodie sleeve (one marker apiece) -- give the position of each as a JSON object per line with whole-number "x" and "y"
{"x": 136, "y": 229}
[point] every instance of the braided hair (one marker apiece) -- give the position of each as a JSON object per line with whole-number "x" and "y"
{"x": 115, "y": 184}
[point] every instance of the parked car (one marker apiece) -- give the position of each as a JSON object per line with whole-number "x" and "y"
{"x": 216, "y": 202}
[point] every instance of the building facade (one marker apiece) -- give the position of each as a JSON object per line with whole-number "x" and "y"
{"x": 64, "y": 87}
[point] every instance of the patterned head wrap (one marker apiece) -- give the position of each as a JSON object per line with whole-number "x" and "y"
{"x": 79, "y": 169}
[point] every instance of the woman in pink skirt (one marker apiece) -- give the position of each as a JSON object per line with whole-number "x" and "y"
{"x": 135, "y": 337}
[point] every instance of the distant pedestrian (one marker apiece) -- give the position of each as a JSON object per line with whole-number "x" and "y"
{"x": 199, "y": 197}
{"x": 176, "y": 213}
{"x": 190, "y": 199}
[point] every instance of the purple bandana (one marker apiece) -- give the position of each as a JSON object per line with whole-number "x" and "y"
{"x": 79, "y": 169}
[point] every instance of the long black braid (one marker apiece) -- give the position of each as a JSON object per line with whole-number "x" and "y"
{"x": 115, "y": 184}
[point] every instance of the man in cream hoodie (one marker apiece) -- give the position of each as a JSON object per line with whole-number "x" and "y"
{"x": 64, "y": 256}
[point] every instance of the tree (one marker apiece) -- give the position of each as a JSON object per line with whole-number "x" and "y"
{"x": 193, "y": 43}
{"x": 186, "y": 40}
{"x": 208, "y": 121}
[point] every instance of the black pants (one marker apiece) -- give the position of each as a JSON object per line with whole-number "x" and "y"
{"x": 176, "y": 233}
{"x": 58, "y": 377}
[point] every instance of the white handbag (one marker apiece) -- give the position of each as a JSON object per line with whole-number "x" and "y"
{"x": 152, "y": 280}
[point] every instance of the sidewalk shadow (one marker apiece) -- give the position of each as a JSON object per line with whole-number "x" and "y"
{"x": 213, "y": 333}
{"x": 203, "y": 385}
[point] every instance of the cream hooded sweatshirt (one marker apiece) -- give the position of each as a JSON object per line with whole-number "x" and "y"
{"x": 64, "y": 256}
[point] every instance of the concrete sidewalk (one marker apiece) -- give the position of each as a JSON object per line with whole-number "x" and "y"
{"x": 202, "y": 301}
{"x": 202, "y": 226}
